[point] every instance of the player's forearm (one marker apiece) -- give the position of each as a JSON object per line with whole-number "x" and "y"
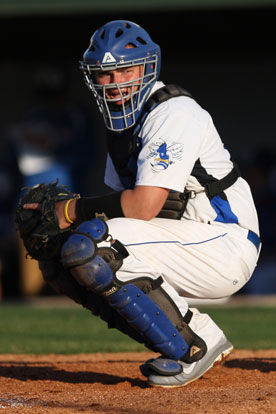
{"x": 136, "y": 207}
{"x": 86, "y": 207}
{"x": 125, "y": 204}
{"x": 142, "y": 203}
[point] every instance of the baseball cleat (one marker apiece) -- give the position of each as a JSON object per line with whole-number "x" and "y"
{"x": 162, "y": 372}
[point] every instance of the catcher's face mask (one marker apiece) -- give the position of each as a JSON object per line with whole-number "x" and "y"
{"x": 121, "y": 48}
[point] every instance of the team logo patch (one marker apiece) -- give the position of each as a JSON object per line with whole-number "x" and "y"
{"x": 162, "y": 156}
{"x": 108, "y": 58}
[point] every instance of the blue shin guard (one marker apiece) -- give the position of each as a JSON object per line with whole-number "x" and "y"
{"x": 145, "y": 316}
{"x": 142, "y": 303}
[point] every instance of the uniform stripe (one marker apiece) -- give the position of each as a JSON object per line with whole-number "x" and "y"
{"x": 223, "y": 210}
{"x": 175, "y": 242}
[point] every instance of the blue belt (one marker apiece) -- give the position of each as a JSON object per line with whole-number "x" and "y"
{"x": 254, "y": 238}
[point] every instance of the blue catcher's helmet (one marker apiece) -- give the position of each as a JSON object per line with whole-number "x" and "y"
{"x": 119, "y": 44}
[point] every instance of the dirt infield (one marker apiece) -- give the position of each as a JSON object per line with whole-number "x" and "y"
{"x": 113, "y": 384}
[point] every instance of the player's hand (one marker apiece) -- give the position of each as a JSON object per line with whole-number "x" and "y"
{"x": 63, "y": 223}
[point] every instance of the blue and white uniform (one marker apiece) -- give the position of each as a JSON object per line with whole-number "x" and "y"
{"x": 206, "y": 254}
{"x": 212, "y": 251}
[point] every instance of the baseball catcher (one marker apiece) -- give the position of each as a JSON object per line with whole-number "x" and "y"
{"x": 73, "y": 263}
{"x": 180, "y": 222}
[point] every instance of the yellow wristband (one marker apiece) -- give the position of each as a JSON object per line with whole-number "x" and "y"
{"x": 65, "y": 211}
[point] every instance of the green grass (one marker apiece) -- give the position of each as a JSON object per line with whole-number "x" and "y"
{"x": 65, "y": 331}
{"x": 247, "y": 327}
{"x": 29, "y": 329}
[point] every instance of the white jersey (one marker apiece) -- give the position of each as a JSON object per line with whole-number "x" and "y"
{"x": 179, "y": 137}
{"x": 212, "y": 251}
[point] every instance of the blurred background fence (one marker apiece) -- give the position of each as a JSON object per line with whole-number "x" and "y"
{"x": 222, "y": 51}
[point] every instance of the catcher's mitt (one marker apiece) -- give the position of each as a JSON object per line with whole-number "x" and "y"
{"x": 39, "y": 229}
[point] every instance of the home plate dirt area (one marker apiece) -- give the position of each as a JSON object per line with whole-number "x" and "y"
{"x": 112, "y": 384}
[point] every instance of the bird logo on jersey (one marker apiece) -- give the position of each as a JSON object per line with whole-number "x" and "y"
{"x": 164, "y": 155}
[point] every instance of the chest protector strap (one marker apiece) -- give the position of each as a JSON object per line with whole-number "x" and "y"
{"x": 162, "y": 95}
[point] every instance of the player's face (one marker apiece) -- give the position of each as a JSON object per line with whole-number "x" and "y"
{"x": 117, "y": 76}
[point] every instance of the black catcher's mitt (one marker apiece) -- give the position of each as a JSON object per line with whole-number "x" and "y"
{"x": 39, "y": 229}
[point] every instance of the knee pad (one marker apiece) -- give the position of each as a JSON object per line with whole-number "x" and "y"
{"x": 92, "y": 266}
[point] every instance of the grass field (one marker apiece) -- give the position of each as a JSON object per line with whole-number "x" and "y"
{"x": 25, "y": 329}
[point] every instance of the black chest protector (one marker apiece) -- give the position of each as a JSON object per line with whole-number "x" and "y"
{"x": 124, "y": 149}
